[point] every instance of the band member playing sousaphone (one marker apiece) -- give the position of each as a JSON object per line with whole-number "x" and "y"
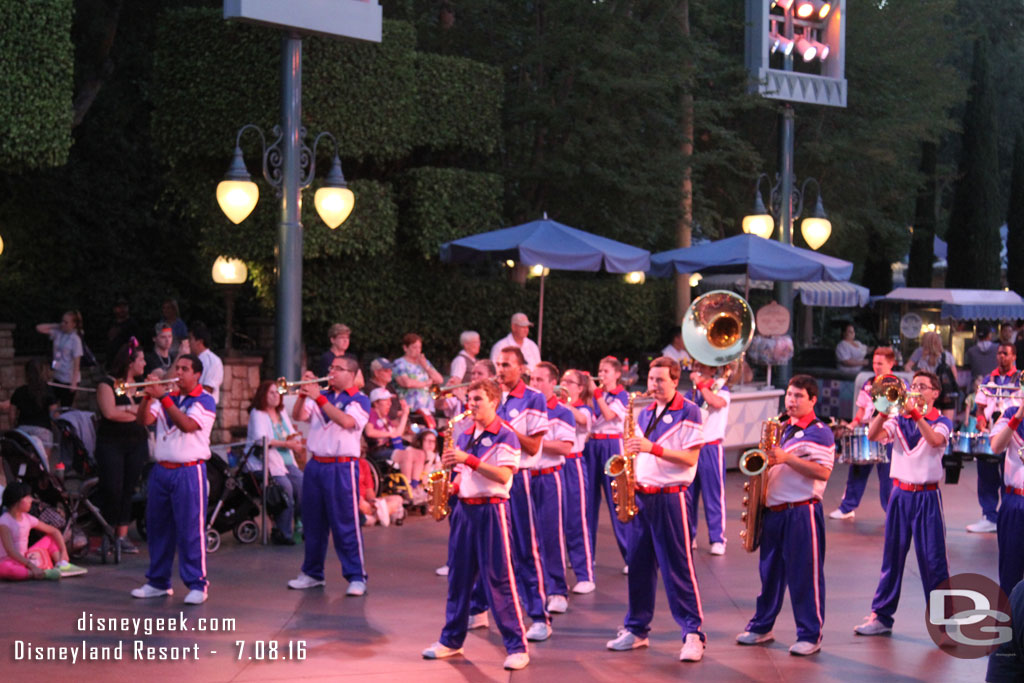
{"x": 793, "y": 537}
{"x": 1009, "y": 435}
{"x": 712, "y": 395}
{"x": 485, "y": 458}
{"x": 667, "y": 443}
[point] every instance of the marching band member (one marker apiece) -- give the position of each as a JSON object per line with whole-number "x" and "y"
{"x": 1008, "y": 433}
{"x": 793, "y": 539}
{"x": 330, "y": 485}
{"x": 605, "y": 441}
{"x": 882, "y": 362}
{"x": 667, "y": 445}
{"x": 919, "y": 437}
{"x": 577, "y": 533}
{"x": 177, "y": 493}
{"x": 546, "y": 486}
{"x": 485, "y": 459}
{"x": 1005, "y": 382}
{"x": 712, "y": 397}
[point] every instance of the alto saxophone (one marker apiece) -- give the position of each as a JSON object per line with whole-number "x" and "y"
{"x": 439, "y": 481}
{"x": 754, "y": 464}
{"x": 622, "y": 468}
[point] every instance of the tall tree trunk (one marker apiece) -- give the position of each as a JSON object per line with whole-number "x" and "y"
{"x": 685, "y": 227}
{"x": 1015, "y": 220}
{"x": 922, "y": 246}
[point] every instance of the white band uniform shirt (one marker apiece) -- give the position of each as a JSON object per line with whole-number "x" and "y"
{"x": 328, "y": 438}
{"x": 715, "y": 420}
{"x": 617, "y": 400}
{"x": 914, "y": 461}
{"x": 495, "y": 445}
{"x": 561, "y": 427}
{"x": 1002, "y": 401}
{"x": 808, "y": 439}
{"x": 174, "y": 445}
{"x": 1013, "y": 467}
{"x": 677, "y": 427}
{"x": 525, "y": 410}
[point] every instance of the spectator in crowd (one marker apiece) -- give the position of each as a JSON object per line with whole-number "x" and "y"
{"x": 160, "y": 359}
{"x": 1007, "y": 334}
{"x": 47, "y": 558}
{"x": 383, "y": 436}
{"x": 414, "y": 375}
{"x": 267, "y": 419}
{"x": 213, "y": 368}
{"x": 121, "y": 330}
{"x": 981, "y": 357}
{"x": 376, "y": 510}
{"x": 676, "y": 350}
{"x": 67, "y": 354}
{"x": 930, "y": 357}
{"x": 518, "y": 337}
{"x": 340, "y": 336}
{"x": 381, "y": 378}
{"x": 851, "y": 355}
{"x": 172, "y": 318}
{"x": 413, "y": 461}
{"x": 463, "y": 363}
{"x": 122, "y": 443}
{"x": 33, "y": 405}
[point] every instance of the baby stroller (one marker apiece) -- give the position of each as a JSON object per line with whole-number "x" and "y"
{"x": 63, "y": 497}
{"x": 236, "y": 488}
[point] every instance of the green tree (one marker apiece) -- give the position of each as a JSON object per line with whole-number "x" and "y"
{"x": 922, "y": 246}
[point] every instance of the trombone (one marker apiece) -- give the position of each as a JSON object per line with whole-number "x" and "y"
{"x": 284, "y": 386}
{"x": 438, "y": 392}
{"x": 121, "y": 387}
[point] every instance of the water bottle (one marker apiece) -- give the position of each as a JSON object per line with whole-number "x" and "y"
{"x": 60, "y": 472}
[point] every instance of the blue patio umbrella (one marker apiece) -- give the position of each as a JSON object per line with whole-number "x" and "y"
{"x": 550, "y": 244}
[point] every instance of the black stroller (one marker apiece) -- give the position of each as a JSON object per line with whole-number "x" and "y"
{"x": 236, "y": 489}
{"x": 62, "y": 501}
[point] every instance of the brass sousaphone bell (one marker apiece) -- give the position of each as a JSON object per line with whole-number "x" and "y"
{"x": 718, "y": 327}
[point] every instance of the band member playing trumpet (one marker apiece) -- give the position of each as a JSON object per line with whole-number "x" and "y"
{"x": 666, "y": 446}
{"x": 793, "y": 539}
{"x": 577, "y": 533}
{"x": 330, "y": 484}
{"x": 712, "y": 397}
{"x": 999, "y": 391}
{"x": 919, "y": 435}
{"x": 1007, "y": 434}
{"x": 485, "y": 458}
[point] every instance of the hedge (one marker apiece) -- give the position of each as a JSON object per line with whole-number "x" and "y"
{"x": 442, "y": 204}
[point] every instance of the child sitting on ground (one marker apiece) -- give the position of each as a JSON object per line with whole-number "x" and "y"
{"x": 18, "y": 561}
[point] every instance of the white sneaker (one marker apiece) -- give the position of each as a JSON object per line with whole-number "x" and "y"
{"x": 693, "y": 648}
{"x": 717, "y": 549}
{"x": 982, "y": 526}
{"x": 439, "y": 651}
{"x": 148, "y": 591}
{"x": 872, "y": 627}
{"x": 478, "y": 621}
{"x": 584, "y": 587}
{"x": 538, "y": 631}
{"x": 558, "y": 604}
{"x": 302, "y": 582}
{"x": 839, "y": 514}
{"x": 356, "y": 588}
{"x": 195, "y": 597}
{"x": 626, "y": 640}
{"x": 442, "y": 571}
{"x": 383, "y": 516}
{"x": 517, "y": 661}
{"x": 803, "y": 648}
{"x": 754, "y": 638}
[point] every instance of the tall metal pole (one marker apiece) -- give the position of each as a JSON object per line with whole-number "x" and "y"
{"x": 784, "y": 290}
{"x": 288, "y": 344}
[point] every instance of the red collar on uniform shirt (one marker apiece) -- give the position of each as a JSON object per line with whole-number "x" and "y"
{"x": 196, "y": 391}
{"x": 493, "y": 428}
{"x": 519, "y": 390}
{"x": 552, "y": 402}
{"x": 803, "y": 422}
{"x": 618, "y": 388}
{"x": 932, "y": 414}
{"x": 578, "y": 404}
{"x": 675, "y": 404}
{"x": 1012, "y": 370}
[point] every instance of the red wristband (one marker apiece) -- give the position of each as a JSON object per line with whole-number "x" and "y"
{"x": 166, "y": 401}
{"x": 657, "y": 450}
{"x": 916, "y": 415}
{"x": 321, "y": 400}
{"x": 455, "y": 488}
{"x": 598, "y": 392}
{"x": 706, "y": 384}
{"x": 472, "y": 462}
{"x": 1015, "y": 421}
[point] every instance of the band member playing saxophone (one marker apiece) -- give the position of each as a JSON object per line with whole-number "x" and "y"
{"x": 666, "y": 448}
{"x": 793, "y": 539}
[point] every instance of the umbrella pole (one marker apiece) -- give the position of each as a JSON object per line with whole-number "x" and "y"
{"x": 746, "y": 286}
{"x": 540, "y": 315}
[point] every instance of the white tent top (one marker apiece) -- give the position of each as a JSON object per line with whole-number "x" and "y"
{"x": 965, "y": 304}
{"x": 834, "y": 294}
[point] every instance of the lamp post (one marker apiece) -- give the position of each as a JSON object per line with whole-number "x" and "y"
{"x": 230, "y": 273}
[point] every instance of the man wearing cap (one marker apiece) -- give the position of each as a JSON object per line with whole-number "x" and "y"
{"x": 463, "y": 363}
{"x": 380, "y": 378}
{"x": 519, "y": 338}
{"x": 160, "y": 358}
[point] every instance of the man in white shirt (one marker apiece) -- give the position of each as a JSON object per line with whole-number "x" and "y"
{"x": 213, "y": 369}
{"x": 676, "y": 350}
{"x": 520, "y": 325}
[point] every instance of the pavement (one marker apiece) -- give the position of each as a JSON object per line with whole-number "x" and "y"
{"x": 253, "y": 628}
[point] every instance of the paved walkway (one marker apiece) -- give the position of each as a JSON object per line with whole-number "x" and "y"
{"x": 380, "y": 636}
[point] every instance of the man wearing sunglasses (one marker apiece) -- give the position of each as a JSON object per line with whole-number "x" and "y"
{"x": 918, "y": 435}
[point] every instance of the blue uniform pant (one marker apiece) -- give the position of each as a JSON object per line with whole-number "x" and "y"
{"x": 917, "y": 516}
{"x": 176, "y": 519}
{"x": 990, "y": 485}
{"x": 857, "y": 481}
{"x": 793, "y": 555}
{"x": 480, "y": 553}
{"x": 708, "y": 484}
{"x": 1008, "y": 533}
{"x": 330, "y": 505}
{"x": 661, "y": 540}
{"x": 575, "y": 523}
{"x": 546, "y": 492}
{"x": 596, "y": 453}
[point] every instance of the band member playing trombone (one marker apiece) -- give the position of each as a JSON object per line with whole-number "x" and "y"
{"x": 919, "y": 435}
{"x": 330, "y": 485}
{"x": 485, "y": 458}
{"x": 999, "y": 391}
{"x": 666, "y": 448}
{"x": 793, "y": 539}
{"x": 712, "y": 397}
{"x": 1009, "y": 433}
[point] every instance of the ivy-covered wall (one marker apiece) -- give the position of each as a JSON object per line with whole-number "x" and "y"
{"x": 36, "y": 83}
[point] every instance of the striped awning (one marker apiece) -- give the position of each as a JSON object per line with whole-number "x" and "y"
{"x": 835, "y": 294}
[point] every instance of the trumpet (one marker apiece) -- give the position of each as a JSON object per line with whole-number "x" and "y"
{"x": 437, "y": 391}
{"x": 284, "y": 386}
{"x": 121, "y": 387}
{"x": 889, "y": 394}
